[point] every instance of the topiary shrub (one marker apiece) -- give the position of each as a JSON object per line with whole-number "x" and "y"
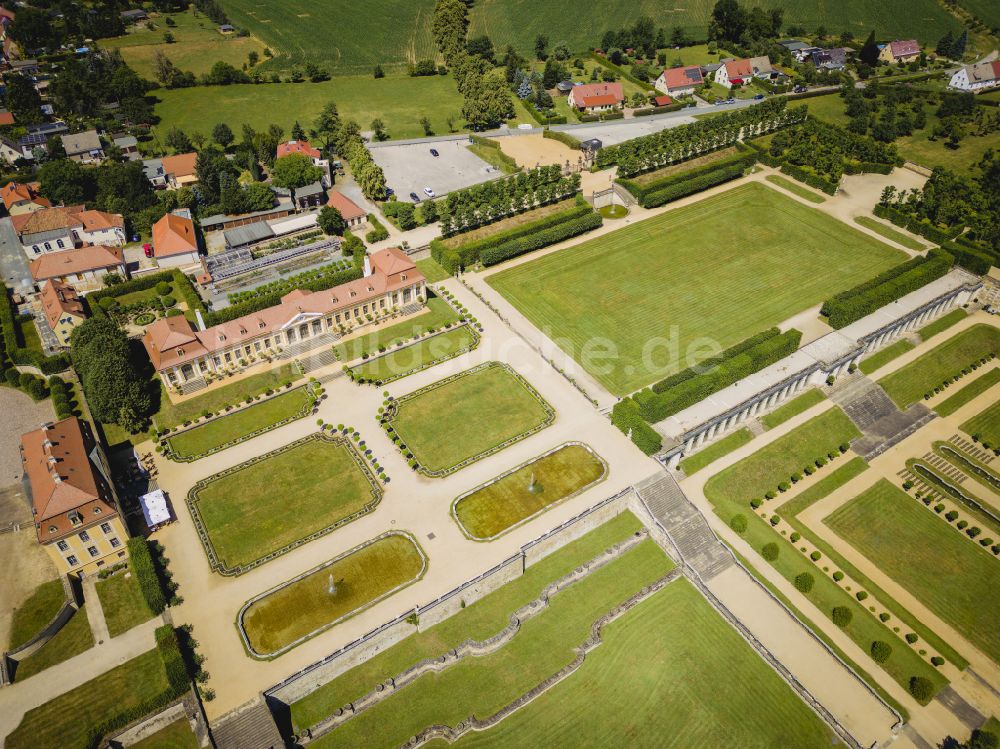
{"x": 973, "y": 532}
{"x": 769, "y": 495}
{"x": 838, "y": 576}
{"x": 784, "y": 486}
{"x": 937, "y": 660}
{"x": 921, "y": 688}
{"x": 809, "y": 470}
{"x": 770, "y": 551}
{"x": 844, "y": 447}
{"x": 795, "y": 536}
{"x": 881, "y": 651}
{"x": 738, "y": 523}
{"x": 804, "y": 582}
{"x": 167, "y": 301}
{"x": 775, "y": 520}
{"x": 939, "y": 508}
{"x": 756, "y": 502}
{"x": 884, "y": 616}
{"x": 907, "y": 485}
{"x": 911, "y": 637}
{"x": 841, "y": 616}
{"x": 162, "y": 288}
{"x": 861, "y": 595}
{"x": 951, "y": 515}
{"x": 815, "y": 556}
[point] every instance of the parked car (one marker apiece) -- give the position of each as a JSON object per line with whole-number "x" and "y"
{"x": 434, "y": 152}
{"x": 730, "y": 100}
{"x": 758, "y": 97}
{"x": 798, "y": 89}
{"x": 148, "y": 249}
{"x": 414, "y": 197}
{"x": 719, "y": 101}
{"x": 429, "y": 191}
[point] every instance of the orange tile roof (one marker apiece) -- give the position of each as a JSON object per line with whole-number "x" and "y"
{"x": 596, "y": 101}
{"x": 685, "y": 77}
{"x": 596, "y": 94}
{"x": 60, "y": 299}
{"x": 298, "y": 146}
{"x": 174, "y": 235}
{"x": 181, "y": 165}
{"x": 56, "y": 461}
{"x": 347, "y": 207}
{"x": 80, "y": 260}
{"x": 739, "y": 69}
{"x": 6, "y": 118}
{"x": 19, "y": 192}
{"x": 100, "y": 220}
{"x": 48, "y": 219}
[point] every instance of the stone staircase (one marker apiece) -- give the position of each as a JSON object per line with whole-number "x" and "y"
{"x": 298, "y": 348}
{"x": 697, "y": 545}
{"x": 248, "y": 727}
{"x": 194, "y": 385}
{"x": 324, "y": 357}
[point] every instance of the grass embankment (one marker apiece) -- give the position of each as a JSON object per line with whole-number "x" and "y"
{"x": 889, "y": 233}
{"x": 36, "y": 612}
{"x": 715, "y": 451}
{"x": 793, "y": 408}
{"x": 74, "y": 638}
{"x": 123, "y": 604}
{"x": 796, "y": 189}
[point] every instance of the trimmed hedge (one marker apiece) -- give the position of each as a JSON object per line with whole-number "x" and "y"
{"x": 688, "y": 185}
{"x": 887, "y": 287}
{"x": 643, "y": 192}
{"x": 809, "y": 177}
{"x": 677, "y": 106}
{"x": 972, "y": 259}
{"x": 922, "y": 226}
{"x": 625, "y": 415}
{"x": 173, "y": 661}
{"x": 694, "y": 384}
{"x": 18, "y": 354}
{"x": 499, "y": 154}
{"x": 142, "y": 566}
{"x": 378, "y": 232}
{"x": 541, "y": 238}
{"x": 562, "y": 137}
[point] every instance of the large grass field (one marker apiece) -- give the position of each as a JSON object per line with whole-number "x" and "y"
{"x": 196, "y": 47}
{"x": 307, "y": 606}
{"x": 399, "y": 101}
{"x": 214, "y": 435}
{"x": 37, "y": 611}
{"x": 438, "y": 313}
{"x": 74, "y": 638}
{"x": 489, "y": 511}
{"x": 670, "y": 674}
{"x": 677, "y": 278}
{"x": 430, "y": 350}
{"x": 480, "y": 686}
{"x": 66, "y": 720}
{"x": 920, "y": 551}
{"x": 985, "y": 425}
{"x": 909, "y": 384}
{"x": 123, "y": 604}
{"x": 763, "y": 470}
{"x": 262, "y": 507}
{"x": 466, "y": 417}
{"x": 478, "y": 621}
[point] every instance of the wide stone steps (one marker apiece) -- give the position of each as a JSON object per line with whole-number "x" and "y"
{"x": 697, "y": 544}
{"x": 298, "y": 348}
{"x": 863, "y": 401}
{"x": 324, "y": 357}
{"x": 248, "y": 727}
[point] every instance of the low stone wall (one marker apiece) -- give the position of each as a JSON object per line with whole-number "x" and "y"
{"x": 467, "y": 594}
{"x": 535, "y": 551}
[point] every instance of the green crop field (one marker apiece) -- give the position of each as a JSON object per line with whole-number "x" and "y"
{"x": 658, "y": 294}
{"x": 399, "y": 101}
{"x": 909, "y": 384}
{"x": 919, "y": 550}
{"x": 196, "y": 47}
{"x": 248, "y": 514}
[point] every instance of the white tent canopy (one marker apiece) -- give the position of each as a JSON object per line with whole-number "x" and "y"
{"x": 154, "y": 508}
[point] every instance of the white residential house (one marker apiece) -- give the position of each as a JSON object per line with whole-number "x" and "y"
{"x": 738, "y": 72}
{"x": 977, "y": 77}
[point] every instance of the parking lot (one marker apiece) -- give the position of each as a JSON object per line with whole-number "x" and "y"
{"x": 411, "y": 167}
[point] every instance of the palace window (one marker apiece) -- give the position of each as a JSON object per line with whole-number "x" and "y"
{"x": 84, "y": 536}
{"x": 229, "y": 357}
{"x": 92, "y": 550}
{"x": 115, "y": 543}
{"x": 256, "y": 346}
{"x": 62, "y": 546}
{"x": 75, "y": 518}
{"x": 72, "y": 561}
{"x": 106, "y": 527}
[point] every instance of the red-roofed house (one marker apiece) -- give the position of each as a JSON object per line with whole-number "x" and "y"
{"x": 73, "y": 501}
{"x": 63, "y": 309}
{"x": 679, "y": 81}
{"x": 53, "y": 230}
{"x": 977, "y": 77}
{"x": 597, "y": 97}
{"x": 905, "y": 50}
{"x": 175, "y": 242}
{"x": 353, "y": 214}
{"x": 22, "y": 197}
{"x": 83, "y": 267}
{"x": 735, "y": 72}
{"x": 303, "y": 319}
{"x": 302, "y": 147}
{"x": 6, "y": 118}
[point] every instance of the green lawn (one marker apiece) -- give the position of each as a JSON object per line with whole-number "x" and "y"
{"x": 794, "y": 187}
{"x": 32, "y": 341}
{"x": 399, "y": 101}
{"x": 765, "y": 469}
{"x": 919, "y": 551}
{"x": 432, "y": 271}
{"x": 438, "y": 313}
{"x": 770, "y": 257}
{"x": 463, "y": 418}
{"x": 973, "y": 390}
{"x": 123, "y": 604}
{"x": 237, "y": 427}
{"x": 985, "y": 425}
{"x": 793, "y": 408}
{"x": 261, "y": 507}
{"x": 908, "y": 384}
{"x": 492, "y": 156}
{"x": 31, "y": 616}
{"x": 943, "y": 323}
{"x": 178, "y": 735}
{"x": 306, "y": 607}
{"x": 73, "y": 639}
{"x": 889, "y": 233}
{"x": 478, "y": 621}
{"x": 671, "y": 673}
{"x": 196, "y": 47}
{"x": 715, "y": 451}
{"x": 493, "y": 509}
{"x": 884, "y": 356}
{"x": 429, "y": 351}
{"x": 66, "y": 720}
{"x": 481, "y": 686}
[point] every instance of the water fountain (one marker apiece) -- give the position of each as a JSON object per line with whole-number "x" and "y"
{"x": 533, "y": 486}
{"x": 331, "y": 586}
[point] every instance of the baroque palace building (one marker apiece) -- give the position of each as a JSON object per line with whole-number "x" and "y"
{"x": 304, "y": 320}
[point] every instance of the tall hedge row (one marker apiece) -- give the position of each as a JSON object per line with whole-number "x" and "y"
{"x": 564, "y": 138}
{"x": 696, "y": 180}
{"x": 541, "y": 238}
{"x": 855, "y": 303}
{"x": 974, "y": 259}
{"x": 921, "y": 226}
{"x": 713, "y": 376}
{"x": 730, "y": 353}
{"x": 809, "y": 177}
{"x": 625, "y": 415}
{"x": 142, "y": 566}
{"x": 643, "y": 191}
{"x": 16, "y": 352}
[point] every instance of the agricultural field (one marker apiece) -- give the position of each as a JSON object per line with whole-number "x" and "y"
{"x": 247, "y": 515}
{"x": 399, "y": 101}
{"x": 770, "y": 258}
{"x": 331, "y": 593}
{"x": 468, "y": 416}
{"x": 196, "y": 47}
{"x": 919, "y": 550}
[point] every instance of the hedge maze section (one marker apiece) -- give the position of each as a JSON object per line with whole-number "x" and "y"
{"x": 265, "y": 507}
{"x": 658, "y": 286}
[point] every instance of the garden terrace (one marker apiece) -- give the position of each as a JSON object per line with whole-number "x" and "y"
{"x": 715, "y": 451}
{"x": 985, "y": 427}
{"x": 971, "y": 391}
{"x": 939, "y": 366}
{"x": 879, "y": 359}
{"x": 74, "y": 638}
{"x": 245, "y": 423}
{"x": 681, "y": 182}
{"x": 437, "y": 314}
{"x": 528, "y": 490}
{"x": 245, "y": 518}
{"x": 482, "y": 411}
{"x": 286, "y": 616}
{"x": 793, "y": 408}
{"x": 123, "y": 603}
{"x": 760, "y": 239}
{"x": 426, "y": 352}
{"x": 921, "y": 552}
